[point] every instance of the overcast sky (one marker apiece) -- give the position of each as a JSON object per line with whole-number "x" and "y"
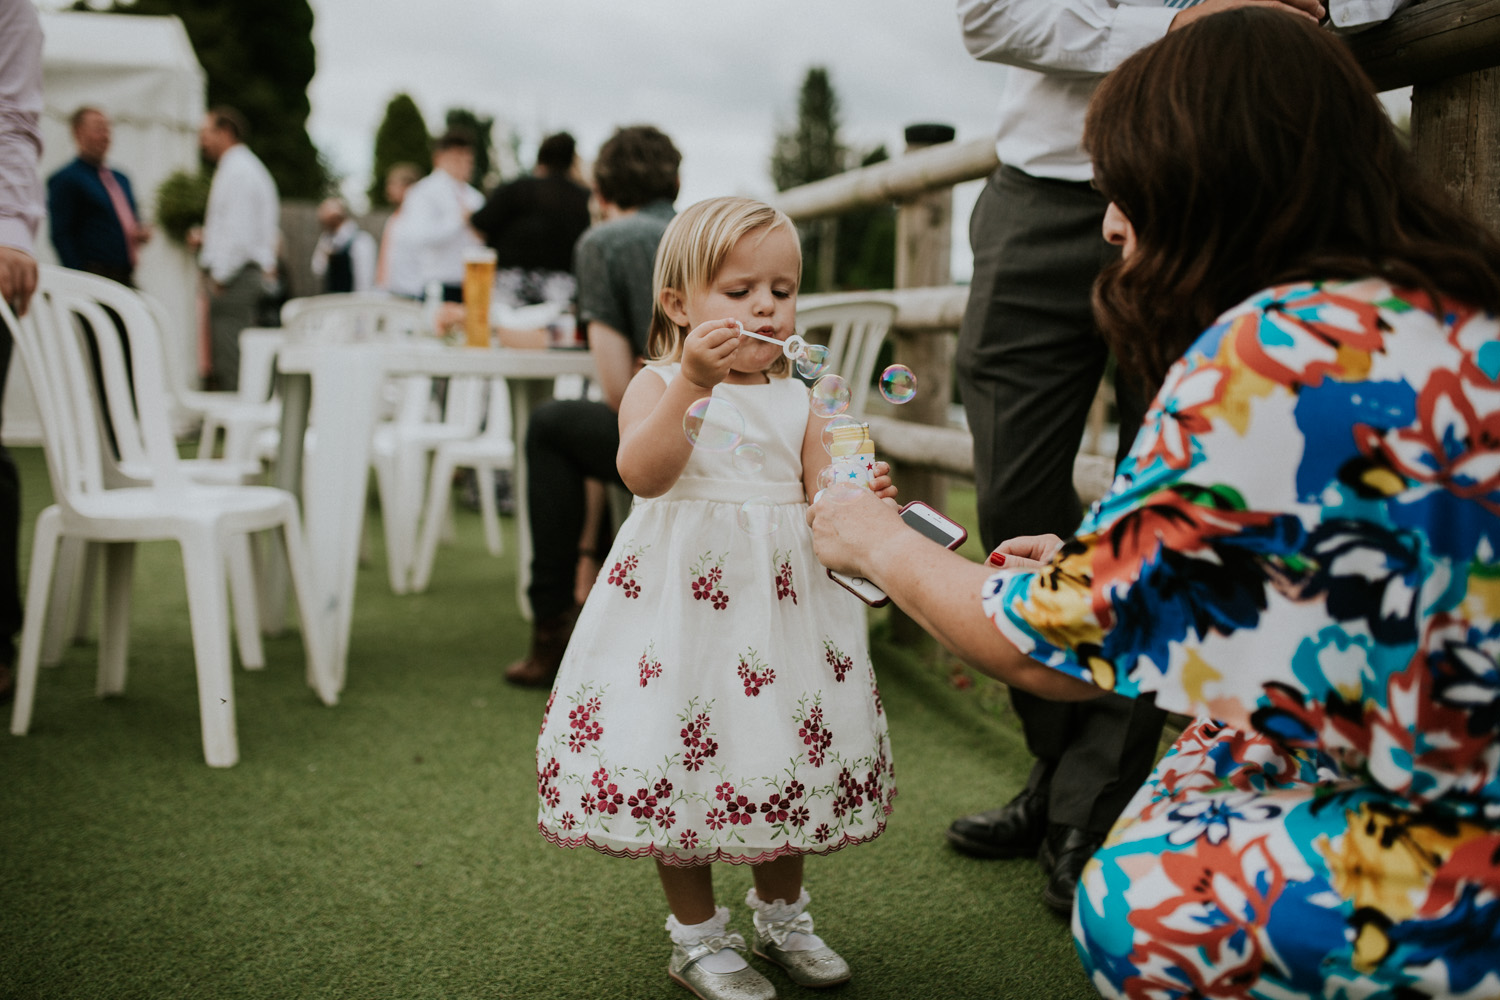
{"x": 721, "y": 77}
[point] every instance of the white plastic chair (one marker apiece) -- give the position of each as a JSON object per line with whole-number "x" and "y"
{"x": 129, "y": 462}
{"x": 399, "y": 454}
{"x": 855, "y": 331}
{"x": 205, "y": 521}
{"x": 490, "y": 451}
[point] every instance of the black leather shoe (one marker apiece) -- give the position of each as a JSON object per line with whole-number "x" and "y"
{"x": 1063, "y": 854}
{"x": 1015, "y": 830}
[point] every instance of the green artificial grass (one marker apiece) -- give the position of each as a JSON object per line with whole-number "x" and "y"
{"x": 386, "y": 847}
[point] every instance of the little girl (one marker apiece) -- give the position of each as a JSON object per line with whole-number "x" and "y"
{"x": 716, "y": 702}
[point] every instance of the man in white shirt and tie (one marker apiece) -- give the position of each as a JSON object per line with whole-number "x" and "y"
{"x": 435, "y": 218}
{"x": 238, "y": 240}
{"x": 1028, "y": 364}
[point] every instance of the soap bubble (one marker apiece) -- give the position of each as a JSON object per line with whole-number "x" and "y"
{"x": 830, "y": 396}
{"x": 758, "y": 517}
{"x": 713, "y": 424}
{"x": 833, "y": 430}
{"x": 827, "y": 476}
{"x": 750, "y": 457}
{"x": 898, "y": 384}
{"x": 812, "y": 360}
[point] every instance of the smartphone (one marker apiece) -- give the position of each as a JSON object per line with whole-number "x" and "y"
{"x": 946, "y": 532}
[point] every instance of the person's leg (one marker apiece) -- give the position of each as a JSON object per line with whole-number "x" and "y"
{"x": 567, "y": 442}
{"x": 705, "y": 958}
{"x": 232, "y": 309}
{"x": 784, "y": 929}
{"x": 1029, "y": 363}
{"x": 10, "y": 531}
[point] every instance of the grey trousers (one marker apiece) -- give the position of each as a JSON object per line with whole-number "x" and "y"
{"x": 230, "y": 310}
{"x": 1028, "y": 364}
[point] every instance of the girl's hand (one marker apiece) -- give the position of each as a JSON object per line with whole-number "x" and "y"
{"x": 880, "y": 483}
{"x": 1036, "y": 548}
{"x": 706, "y": 352}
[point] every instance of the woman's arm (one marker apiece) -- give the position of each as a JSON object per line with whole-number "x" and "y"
{"x": 864, "y": 536}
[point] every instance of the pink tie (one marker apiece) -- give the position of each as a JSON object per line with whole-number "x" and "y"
{"x": 122, "y": 209}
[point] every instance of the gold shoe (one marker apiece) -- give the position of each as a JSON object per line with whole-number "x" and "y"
{"x": 745, "y": 984}
{"x": 815, "y": 967}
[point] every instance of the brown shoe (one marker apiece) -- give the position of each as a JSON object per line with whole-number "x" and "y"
{"x": 549, "y": 640}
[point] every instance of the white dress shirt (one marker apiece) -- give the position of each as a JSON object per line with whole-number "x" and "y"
{"x": 361, "y": 247}
{"x": 435, "y": 223}
{"x": 21, "y": 197}
{"x": 1059, "y": 50}
{"x": 241, "y": 224}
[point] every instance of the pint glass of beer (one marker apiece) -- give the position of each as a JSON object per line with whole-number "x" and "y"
{"x": 479, "y": 276}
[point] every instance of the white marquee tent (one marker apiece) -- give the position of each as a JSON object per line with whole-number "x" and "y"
{"x": 143, "y": 73}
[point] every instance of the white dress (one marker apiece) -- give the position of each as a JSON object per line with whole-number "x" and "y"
{"x": 717, "y": 702}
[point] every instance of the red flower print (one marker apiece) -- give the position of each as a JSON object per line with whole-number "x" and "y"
{"x": 705, "y": 576}
{"x": 693, "y": 760}
{"x": 741, "y": 810}
{"x": 724, "y": 792}
{"x": 837, "y": 659}
{"x": 798, "y": 817}
{"x": 642, "y": 804}
{"x": 822, "y": 833}
{"x": 716, "y": 819}
{"x": 622, "y": 573}
{"x": 600, "y": 778}
{"x": 774, "y": 809}
{"x": 589, "y": 803}
{"x": 688, "y": 839}
{"x": 568, "y": 821}
{"x": 784, "y": 588}
{"x": 663, "y": 789}
{"x": 665, "y": 817}
{"x": 793, "y": 791}
{"x": 649, "y": 667}
{"x": 611, "y": 799}
{"x": 547, "y": 712}
{"x": 814, "y": 736}
{"x": 754, "y": 674}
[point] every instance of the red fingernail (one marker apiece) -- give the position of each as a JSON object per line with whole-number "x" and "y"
{"x": 996, "y": 559}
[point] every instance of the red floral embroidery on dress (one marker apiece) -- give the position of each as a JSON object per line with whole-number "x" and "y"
{"x": 546, "y": 787}
{"x": 547, "y": 712}
{"x": 836, "y": 658}
{"x": 583, "y": 727}
{"x": 783, "y": 563}
{"x": 649, "y": 667}
{"x": 705, "y": 576}
{"x": 696, "y": 737}
{"x": 814, "y": 736}
{"x": 688, "y": 839}
{"x": 755, "y": 674}
{"x": 622, "y": 573}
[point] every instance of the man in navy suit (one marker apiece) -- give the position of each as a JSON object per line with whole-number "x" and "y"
{"x": 93, "y": 219}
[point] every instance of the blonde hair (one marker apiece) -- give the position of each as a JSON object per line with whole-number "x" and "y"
{"x": 691, "y": 252}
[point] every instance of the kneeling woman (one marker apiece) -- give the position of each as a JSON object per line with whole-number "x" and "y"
{"x": 1302, "y": 551}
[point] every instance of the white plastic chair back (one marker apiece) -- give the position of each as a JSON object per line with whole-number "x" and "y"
{"x": 854, "y": 333}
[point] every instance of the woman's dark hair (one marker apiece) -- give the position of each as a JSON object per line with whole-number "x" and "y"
{"x": 556, "y": 153}
{"x": 1249, "y": 150}
{"x": 637, "y": 165}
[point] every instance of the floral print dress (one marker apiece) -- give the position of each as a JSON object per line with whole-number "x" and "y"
{"x": 717, "y": 701}
{"x": 1303, "y": 548}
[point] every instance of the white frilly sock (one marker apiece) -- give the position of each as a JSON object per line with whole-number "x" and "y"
{"x": 721, "y": 962}
{"x": 779, "y": 912}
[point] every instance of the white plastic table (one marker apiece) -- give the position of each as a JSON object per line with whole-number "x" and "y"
{"x": 336, "y": 389}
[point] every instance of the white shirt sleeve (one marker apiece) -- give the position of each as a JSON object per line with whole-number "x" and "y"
{"x": 1061, "y": 36}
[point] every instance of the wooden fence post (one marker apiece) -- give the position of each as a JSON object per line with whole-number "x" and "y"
{"x": 1455, "y": 137}
{"x": 924, "y": 235}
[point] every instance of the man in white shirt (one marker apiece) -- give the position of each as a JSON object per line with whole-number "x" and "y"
{"x": 238, "y": 240}
{"x": 344, "y": 257}
{"x": 435, "y": 218}
{"x": 1029, "y": 362}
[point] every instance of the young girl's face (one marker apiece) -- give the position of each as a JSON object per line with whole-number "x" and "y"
{"x": 756, "y": 286}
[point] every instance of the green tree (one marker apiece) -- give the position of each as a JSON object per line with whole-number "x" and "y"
{"x": 401, "y": 138}
{"x": 867, "y": 242}
{"x": 481, "y": 129}
{"x": 810, "y": 151}
{"x": 259, "y": 58}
